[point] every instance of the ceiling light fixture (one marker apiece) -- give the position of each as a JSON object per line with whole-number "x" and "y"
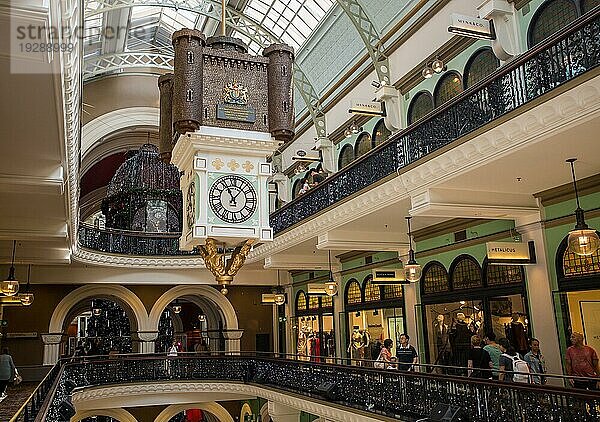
{"x": 412, "y": 269}
{"x": 10, "y": 286}
{"x": 331, "y": 287}
{"x": 279, "y": 294}
{"x": 427, "y": 72}
{"x": 176, "y": 306}
{"x": 27, "y": 297}
{"x": 437, "y": 65}
{"x": 582, "y": 241}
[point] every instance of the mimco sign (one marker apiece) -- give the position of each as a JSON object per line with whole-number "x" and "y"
{"x": 470, "y": 26}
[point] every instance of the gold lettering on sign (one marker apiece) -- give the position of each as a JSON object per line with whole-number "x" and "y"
{"x": 248, "y": 166}
{"x": 233, "y": 165}
{"x": 218, "y": 163}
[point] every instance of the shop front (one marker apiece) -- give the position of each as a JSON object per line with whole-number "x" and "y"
{"x": 471, "y": 299}
{"x": 372, "y": 314}
{"x": 578, "y": 296}
{"x": 313, "y": 327}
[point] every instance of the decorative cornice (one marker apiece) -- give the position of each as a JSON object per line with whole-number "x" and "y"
{"x": 118, "y": 397}
{"x": 99, "y": 258}
{"x": 446, "y": 227}
{"x": 565, "y": 192}
{"x": 524, "y": 127}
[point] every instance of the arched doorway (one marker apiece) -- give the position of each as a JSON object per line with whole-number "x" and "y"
{"x": 221, "y": 326}
{"x": 79, "y": 301}
{"x": 211, "y": 409}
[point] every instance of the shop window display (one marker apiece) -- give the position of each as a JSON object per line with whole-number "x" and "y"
{"x": 313, "y": 327}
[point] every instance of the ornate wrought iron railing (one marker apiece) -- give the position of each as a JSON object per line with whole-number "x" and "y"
{"x": 563, "y": 57}
{"x": 35, "y": 401}
{"x": 392, "y": 393}
{"x": 125, "y": 242}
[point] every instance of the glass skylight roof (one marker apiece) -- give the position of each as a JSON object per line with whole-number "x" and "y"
{"x": 149, "y": 28}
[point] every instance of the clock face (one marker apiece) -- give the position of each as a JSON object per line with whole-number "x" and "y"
{"x": 233, "y": 199}
{"x": 191, "y": 205}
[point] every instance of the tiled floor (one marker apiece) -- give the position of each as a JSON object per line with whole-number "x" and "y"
{"x": 16, "y": 397}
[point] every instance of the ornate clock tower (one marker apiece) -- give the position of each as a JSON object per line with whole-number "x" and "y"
{"x": 229, "y": 110}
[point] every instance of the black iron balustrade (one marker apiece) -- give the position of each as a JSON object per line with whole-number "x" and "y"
{"x": 124, "y": 242}
{"x": 34, "y": 402}
{"x": 392, "y": 393}
{"x": 570, "y": 53}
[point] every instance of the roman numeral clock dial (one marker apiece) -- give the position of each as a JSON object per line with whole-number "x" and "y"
{"x": 233, "y": 199}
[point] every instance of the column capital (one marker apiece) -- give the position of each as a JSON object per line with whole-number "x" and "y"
{"x": 52, "y": 338}
{"x": 233, "y": 334}
{"x": 147, "y": 335}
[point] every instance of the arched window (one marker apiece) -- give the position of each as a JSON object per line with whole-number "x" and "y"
{"x": 313, "y": 302}
{"x": 372, "y": 291}
{"x": 449, "y": 86}
{"x": 481, "y": 64}
{"x": 346, "y": 156}
{"x": 465, "y": 273}
{"x": 301, "y": 301}
{"x": 381, "y": 133}
{"x": 550, "y": 18}
{"x": 580, "y": 266}
{"x": 363, "y": 144}
{"x": 435, "y": 278}
{"x": 499, "y": 275}
{"x": 587, "y": 5}
{"x": 296, "y": 188}
{"x": 420, "y": 106}
{"x": 326, "y": 302}
{"x": 353, "y": 292}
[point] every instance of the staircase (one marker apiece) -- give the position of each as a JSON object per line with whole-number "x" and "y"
{"x": 17, "y": 395}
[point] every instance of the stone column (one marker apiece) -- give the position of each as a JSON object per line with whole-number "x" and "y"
{"x": 338, "y": 308}
{"x": 282, "y": 413}
{"x": 51, "y": 348}
{"x": 542, "y": 319}
{"x": 232, "y": 341}
{"x": 147, "y": 341}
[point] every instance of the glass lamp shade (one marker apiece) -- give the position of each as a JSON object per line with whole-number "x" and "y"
{"x": 347, "y": 133}
{"x": 10, "y": 287}
{"x": 176, "y": 308}
{"x": 279, "y": 299}
{"x": 331, "y": 288}
{"x": 96, "y": 311}
{"x": 427, "y": 72}
{"x": 26, "y": 299}
{"x": 412, "y": 271}
{"x": 437, "y": 66}
{"x": 202, "y": 317}
{"x": 583, "y": 242}
{"x": 354, "y": 128}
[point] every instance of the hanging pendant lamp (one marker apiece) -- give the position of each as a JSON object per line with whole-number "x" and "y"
{"x": 412, "y": 269}
{"x": 279, "y": 297}
{"x": 10, "y": 286}
{"x": 331, "y": 287}
{"x": 582, "y": 240}
{"x": 27, "y": 297}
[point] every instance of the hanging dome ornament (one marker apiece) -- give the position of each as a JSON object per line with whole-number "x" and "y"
{"x": 10, "y": 286}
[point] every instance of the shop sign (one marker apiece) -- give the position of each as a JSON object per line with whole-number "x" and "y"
{"x": 32, "y": 334}
{"x": 470, "y": 26}
{"x": 388, "y": 276}
{"x": 506, "y": 253}
{"x": 268, "y": 298}
{"x": 367, "y": 108}
{"x": 317, "y": 289}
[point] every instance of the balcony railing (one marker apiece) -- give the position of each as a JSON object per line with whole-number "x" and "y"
{"x": 568, "y": 54}
{"x": 125, "y": 242}
{"x": 393, "y": 393}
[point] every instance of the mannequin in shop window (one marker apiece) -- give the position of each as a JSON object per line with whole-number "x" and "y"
{"x": 366, "y": 340}
{"x": 517, "y": 334}
{"x": 442, "y": 341}
{"x": 330, "y": 343}
{"x": 460, "y": 340}
{"x": 314, "y": 343}
{"x": 356, "y": 345}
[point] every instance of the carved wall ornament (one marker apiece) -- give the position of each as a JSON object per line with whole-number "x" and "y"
{"x": 235, "y": 93}
{"x": 218, "y": 163}
{"x": 233, "y": 165}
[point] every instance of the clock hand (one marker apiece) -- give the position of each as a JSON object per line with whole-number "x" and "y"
{"x": 232, "y": 200}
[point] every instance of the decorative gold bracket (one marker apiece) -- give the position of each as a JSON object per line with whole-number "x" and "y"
{"x": 224, "y": 269}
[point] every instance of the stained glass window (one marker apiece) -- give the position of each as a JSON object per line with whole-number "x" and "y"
{"x": 353, "y": 292}
{"x": 372, "y": 291}
{"x": 551, "y": 17}
{"x": 421, "y": 105}
{"x": 481, "y": 64}
{"x": 587, "y": 5}
{"x": 392, "y": 291}
{"x": 326, "y": 302}
{"x": 576, "y": 265}
{"x": 301, "y": 301}
{"x": 448, "y": 87}
{"x": 466, "y": 273}
{"x": 435, "y": 278}
{"x": 363, "y": 144}
{"x": 346, "y": 156}
{"x": 313, "y": 302}
{"x": 381, "y": 133}
{"x": 497, "y": 275}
